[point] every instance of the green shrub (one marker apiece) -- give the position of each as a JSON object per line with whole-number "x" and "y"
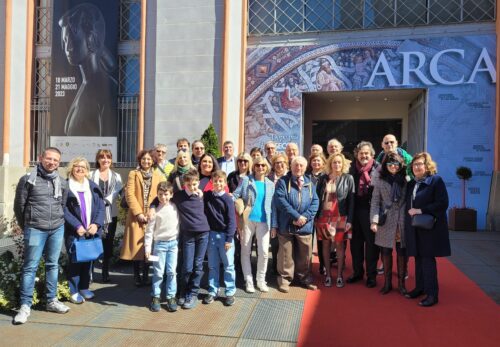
{"x": 211, "y": 141}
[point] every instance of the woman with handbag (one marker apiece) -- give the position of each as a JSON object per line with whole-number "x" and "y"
{"x": 110, "y": 183}
{"x": 387, "y": 216}
{"x": 336, "y": 194}
{"x": 140, "y": 192}
{"x": 427, "y": 235}
{"x": 84, "y": 217}
{"x": 256, "y": 191}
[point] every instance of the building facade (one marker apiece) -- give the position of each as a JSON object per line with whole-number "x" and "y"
{"x": 258, "y": 70}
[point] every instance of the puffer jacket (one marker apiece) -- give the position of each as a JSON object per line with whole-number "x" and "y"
{"x": 290, "y": 205}
{"x": 36, "y": 207}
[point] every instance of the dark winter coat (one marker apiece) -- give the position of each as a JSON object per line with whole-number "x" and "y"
{"x": 36, "y": 207}
{"x": 431, "y": 198}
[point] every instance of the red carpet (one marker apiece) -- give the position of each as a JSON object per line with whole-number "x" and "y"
{"x": 359, "y": 316}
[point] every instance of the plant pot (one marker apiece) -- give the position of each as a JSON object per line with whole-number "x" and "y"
{"x": 462, "y": 219}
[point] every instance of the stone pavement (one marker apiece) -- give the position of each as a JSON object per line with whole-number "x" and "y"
{"x": 119, "y": 314}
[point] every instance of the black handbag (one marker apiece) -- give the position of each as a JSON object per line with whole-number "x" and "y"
{"x": 123, "y": 200}
{"x": 382, "y": 216}
{"x": 423, "y": 221}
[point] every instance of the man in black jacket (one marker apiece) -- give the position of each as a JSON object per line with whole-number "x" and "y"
{"x": 363, "y": 248}
{"x": 39, "y": 209}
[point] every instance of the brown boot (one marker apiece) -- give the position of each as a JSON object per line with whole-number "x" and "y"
{"x": 402, "y": 269}
{"x": 387, "y": 260}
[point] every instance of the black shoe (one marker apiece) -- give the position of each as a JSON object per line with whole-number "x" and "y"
{"x": 207, "y": 300}
{"x": 371, "y": 283}
{"x": 354, "y": 279}
{"x": 428, "y": 301}
{"x": 229, "y": 301}
{"x": 322, "y": 270}
{"x": 415, "y": 293}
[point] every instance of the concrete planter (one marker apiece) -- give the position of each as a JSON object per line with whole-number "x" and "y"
{"x": 462, "y": 219}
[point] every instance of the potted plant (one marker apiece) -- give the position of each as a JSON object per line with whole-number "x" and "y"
{"x": 463, "y": 218}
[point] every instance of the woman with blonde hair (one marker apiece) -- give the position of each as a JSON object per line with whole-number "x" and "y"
{"x": 279, "y": 167}
{"x": 336, "y": 208}
{"x": 243, "y": 168}
{"x": 182, "y": 164}
{"x": 84, "y": 217}
{"x": 257, "y": 192}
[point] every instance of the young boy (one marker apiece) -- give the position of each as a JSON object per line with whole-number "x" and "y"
{"x": 219, "y": 209}
{"x": 194, "y": 230}
{"x": 163, "y": 229}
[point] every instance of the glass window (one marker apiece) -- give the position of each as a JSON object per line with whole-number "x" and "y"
{"x": 318, "y": 15}
{"x": 348, "y": 14}
{"x": 379, "y": 13}
{"x": 289, "y": 16}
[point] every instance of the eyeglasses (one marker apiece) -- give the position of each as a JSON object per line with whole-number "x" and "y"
{"x": 80, "y": 167}
{"x": 389, "y": 142}
{"x": 242, "y": 161}
{"x": 160, "y": 151}
{"x": 260, "y": 165}
{"x": 269, "y": 148}
{"x": 418, "y": 164}
{"x": 393, "y": 163}
{"x": 279, "y": 162}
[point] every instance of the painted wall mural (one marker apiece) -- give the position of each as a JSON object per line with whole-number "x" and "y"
{"x": 458, "y": 72}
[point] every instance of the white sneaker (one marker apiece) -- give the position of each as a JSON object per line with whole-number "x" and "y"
{"x": 249, "y": 287}
{"x": 76, "y": 298}
{"x": 262, "y": 286}
{"x": 22, "y": 315}
{"x": 56, "y": 306}
{"x": 87, "y": 294}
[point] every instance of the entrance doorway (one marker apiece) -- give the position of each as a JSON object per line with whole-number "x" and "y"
{"x": 352, "y": 117}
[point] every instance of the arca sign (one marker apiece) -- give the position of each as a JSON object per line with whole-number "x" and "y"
{"x": 383, "y": 69}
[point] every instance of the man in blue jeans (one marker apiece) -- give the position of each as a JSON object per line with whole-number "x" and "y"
{"x": 39, "y": 209}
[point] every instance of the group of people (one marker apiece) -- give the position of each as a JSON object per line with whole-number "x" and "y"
{"x": 195, "y": 205}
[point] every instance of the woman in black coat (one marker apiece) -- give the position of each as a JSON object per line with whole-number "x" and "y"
{"x": 426, "y": 195}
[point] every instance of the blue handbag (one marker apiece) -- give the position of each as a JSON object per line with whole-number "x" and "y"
{"x": 84, "y": 250}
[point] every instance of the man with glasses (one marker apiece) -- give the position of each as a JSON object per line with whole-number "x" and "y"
{"x": 390, "y": 144}
{"x": 164, "y": 166}
{"x": 39, "y": 209}
{"x": 270, "y": 148}
{"x": 198, "y": 149}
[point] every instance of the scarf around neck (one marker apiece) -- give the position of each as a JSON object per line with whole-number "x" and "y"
{"x": 397, "y": 182}
{"x": 76, "y": 187}
{"x": 51, "y": 176}
{"x": 364, "y": 178}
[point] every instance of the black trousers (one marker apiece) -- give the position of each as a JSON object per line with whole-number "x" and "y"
{"x": 363, "y": 248}
{"x": 426, "y": 275}
{"x": 107, "y": 241}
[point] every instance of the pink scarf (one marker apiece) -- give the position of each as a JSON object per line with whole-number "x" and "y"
{"x": 364, "y": 178}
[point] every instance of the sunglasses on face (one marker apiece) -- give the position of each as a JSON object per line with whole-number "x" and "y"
{"x": 242, "y": 161}
{"x": 260, "y": 165}
{"x": 199, "y": 148}
{"x": 393, "y": 163}
{"x": 160, "y": 151}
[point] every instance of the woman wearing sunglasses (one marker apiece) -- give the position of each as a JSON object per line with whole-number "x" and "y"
{"x": 387, "y": 216}
{"x": 257, "y": 192}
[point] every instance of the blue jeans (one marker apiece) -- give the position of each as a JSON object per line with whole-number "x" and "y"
{"x": 167, "y": 252}
{"x": 78, "y": 276}
{"x": 195, "y": 247}
{"x": 216, "y": 255}
{"x": 35, "y": 241}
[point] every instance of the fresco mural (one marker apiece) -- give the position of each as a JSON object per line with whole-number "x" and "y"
{"x": 458, "y": 72}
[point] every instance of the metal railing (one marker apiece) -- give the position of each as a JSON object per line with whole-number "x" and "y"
{"x": 272, "y": 17}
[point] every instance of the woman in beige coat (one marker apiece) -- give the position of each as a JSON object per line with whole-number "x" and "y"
{"x": 140, "y": 192}
{"x": 388, "y": 199}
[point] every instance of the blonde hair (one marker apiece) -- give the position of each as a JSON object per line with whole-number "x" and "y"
{"x": 180, "y": 154}
{"x": 261, "y": 160}
{"x": 247, "y": 157}
{"x": 346, "y": 163}
{"x": 430, "y": 165}
{"x": 73, "y": 163}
